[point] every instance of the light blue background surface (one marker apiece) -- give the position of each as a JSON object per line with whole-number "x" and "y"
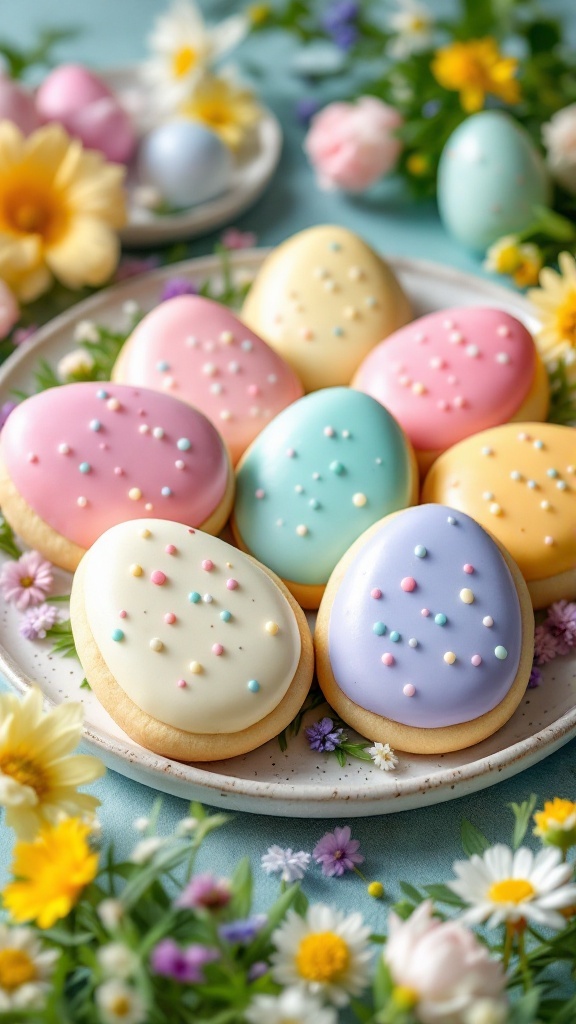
{"x": 418, "y": 845}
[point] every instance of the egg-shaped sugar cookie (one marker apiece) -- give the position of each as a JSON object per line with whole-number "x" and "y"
{"x": 425, "y": 635}
{"x": 519, "y": 482}
{"x": 318, "y": 476}
{"x": 194, "y": 649}
{"x": 198, "y": 351}
{"x": 453, "y": 373}
{"x": 323, "y": 299}
{"x": 75, "y": 460}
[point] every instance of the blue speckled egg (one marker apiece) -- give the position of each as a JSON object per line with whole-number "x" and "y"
{"x": 489, "y": 180}
{"x": 185, "y": 162}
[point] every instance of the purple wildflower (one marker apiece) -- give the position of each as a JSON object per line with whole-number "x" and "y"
{"x": 345, "y": 36}
{"x": 176, "y": 286}
{"x": 305, "y": 109}
{"x": 337, "y": 852}
{"x": 535, "y": 678}
{"x": 339, "y": 23}
{"x": 205, "y": 891}
{"x": 36, "y": 621}
{"x": 324, "y": 736}
{"x": 545, "y": 645}
{"x": 233, "y": 238}
{"x": 431, "y": 108}
{"x": 132, "y": 266}
{"x": 5, "y": 411}
{"x": 22, "y": 334}
{"x": 258, "y": 970}
{"x": 183, "y": 964}
{"x": 240, "y": 933}
{"x": 561, "y": 622}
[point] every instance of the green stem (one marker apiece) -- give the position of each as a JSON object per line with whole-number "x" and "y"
{"x": 507, "y": 947}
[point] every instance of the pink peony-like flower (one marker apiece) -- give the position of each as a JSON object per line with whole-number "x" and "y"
{"x": 9, "y": 309}
{"x": 559, "y": 136}
{"x": 443, "y": 963}
{"x": 352, "y": 145}
{"x": 545, "y": 645}
{"x": 27, "y": 580}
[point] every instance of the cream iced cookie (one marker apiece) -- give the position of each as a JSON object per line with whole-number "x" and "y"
{"x": 519, "y": 482}
{"x": 195, "y": 650}
{"x": 453, "y": 373}
{"x": 76, "y": 460}
{"x": 318, "y": 476}
{"x": 323, "y": 299}
{"x": 198, "y": 351}
{"x": 425, "y": 635}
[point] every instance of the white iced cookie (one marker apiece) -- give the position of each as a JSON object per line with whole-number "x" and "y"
{"x": 196, "y": 650}
{"x": 323, "y": 299}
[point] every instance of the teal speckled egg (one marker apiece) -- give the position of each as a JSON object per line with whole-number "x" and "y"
{"x": 489, "y": 180}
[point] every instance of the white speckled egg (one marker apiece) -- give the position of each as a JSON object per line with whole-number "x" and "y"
{"x": 186, "y": 162}
{"x": 489, "y": 180}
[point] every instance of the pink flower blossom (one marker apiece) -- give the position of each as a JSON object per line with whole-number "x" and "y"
{"x": 36, "y": 621}
{"x": 232, "y": 238}
{"x": 561, "y": 622}
{"x": 26, "y": 581}
{"x": 352, "y": 145}
{"x": 337, "y": 852}
{"x": 183, "y": 964}
{"x": 205, "y": 891}
{"x": 9, "y": 309}
{"x": 443, "y": 963}
{"x": 22, "y": 334}
{"x": 559, "y": 136}
{"x": 545, "y": 645}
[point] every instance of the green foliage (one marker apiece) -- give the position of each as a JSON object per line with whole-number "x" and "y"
{"x": 7, "y": 540}
{"x": 562, "y": 396}
{"x": 522, "y": 818}
{"x": 473, "y": 840}
{"x": 19, "y": 60}
{"x": 62, "y": 639}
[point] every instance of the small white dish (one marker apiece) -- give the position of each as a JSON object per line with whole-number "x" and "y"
{"x": 297, "y": 782}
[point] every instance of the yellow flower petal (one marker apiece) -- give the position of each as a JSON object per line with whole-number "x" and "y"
{"x": 87, "y": 255}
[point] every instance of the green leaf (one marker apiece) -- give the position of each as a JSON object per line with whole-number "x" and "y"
{"x": 523, "y": 1010}
{"x": 357, "y": 750}
{"x": 381, "y": 985}
{"x": 7, "y": 540}
{"x": 522, "y": 814}
{"x": 62, "y": 638}
{"x": 340, "y": 756}
{"x": 442, "y": 894}
{"x": 242, "y": 888}
{"x": 562, "y": 396}
{"x": 543, "y": 35}
{"x": 276, "y": 914}
{"x": 473, "y": 840}
{"x": 411, "y": 892}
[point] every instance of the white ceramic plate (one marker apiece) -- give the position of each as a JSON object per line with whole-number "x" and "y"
{"x": 252, "y": 172}
{"x": 297, "y": 782}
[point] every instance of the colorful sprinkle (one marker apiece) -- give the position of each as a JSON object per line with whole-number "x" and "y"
{"x": 466, "y": 596}
{"x": 136, "y": 570}
{"x": 408, "y": 584}
{"x": 156, "y": 644}
{"x": 409, "y": 690}
{"x": 302, "y": 530}
{"x": 549, "y": 541}
{"x": 182, "y": 684}
{"x": 195, "y": 668}
{"x": 95, "y": 425}
{"x": 395, "y": 636}
{"x": 134, "y": 494}
{"x": 449, "y": 657}
{"x": 217, "y": 649}
{"x": 232, "y": 584}
{"x": 158, "y": 433}
{"x": 501, "y": 652}
{"x": 440, "y": 619}
{"x": 85, "y": 467}
{"x": 337, "y": 467}
{"x": 468, "y": 568}
{"x": 64, "y": 449}
{"x": 359, "y": 500}
{"x": 495, "y": 509}
{"x": 169, "y": 618}
{"x": 113, "y": 404}
{"x": 207, "y": 565}
{"x": 379, "y": 628}
{"x": 166, "y": 492}
{"x": 122, "y": 614}
{"x": 225, "y": 616}
{"x": 488, "y": 621}
{"x": 425, "y": 612}
{"x": 476, "y": 660}
{"x": 207, "y": 598}
{"x": 170, "y": 549}
{"x": 253, "y": 685}
{"x": 82, "y": 501}
{"x": 376, "y": 593}
{"x": 158, "y": 577}
{"x": 272, "y": 628}
{"x": 420, "y": 551}
{"x": 388, "y": 659}
{"x": 145, "y": 533}
{"x": 117, "y": 635}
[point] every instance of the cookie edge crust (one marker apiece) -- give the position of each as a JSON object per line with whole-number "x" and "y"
{"x": 165, "y": 739}
{"x": 415, "y": 739}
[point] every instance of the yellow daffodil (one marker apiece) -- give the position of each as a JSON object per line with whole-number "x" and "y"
{"x": 50, "y": 873}
{"x": 225, "y": 108}
{"x": 520, "y": 260}
{"x": 60, "y": 209}
{"x": 476, "y": 68}
{"x": 556, "y": 824}
{"x": 555, "y": 302}
{"x": 38, "y": 777}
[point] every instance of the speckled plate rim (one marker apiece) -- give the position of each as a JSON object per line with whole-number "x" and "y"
{"x": 274, "y": 797}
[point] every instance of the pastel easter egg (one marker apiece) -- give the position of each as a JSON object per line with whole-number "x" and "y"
{"x": 519, "y": 482}
{"x": 186, "y": 162}
{"x": 194, "y": 679}
{"x": 80, "y": 458}
{"x": 490, "y": 178}
{"x": 199, "y": 351}
{"x": 324, "y": 470}
{"x": 17, "y": 105}
{"x": 453, "y": 373}
{"x": 88, "y": 109}
{"x": 452, "y": 678}
{"x": 323, "y": 299}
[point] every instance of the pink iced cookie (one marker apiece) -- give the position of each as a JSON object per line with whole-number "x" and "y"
{"x": 199, "y": 351}
{"x": 76, "y": 460}
{"x": 453, "y": 373}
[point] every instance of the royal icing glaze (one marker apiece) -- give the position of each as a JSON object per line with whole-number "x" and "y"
{"x": 519, "y": 481}
{"x": 430, "y": 655}
{"x": 86, "y": 456}
{"x": 199, "y": 351}
{"x": 323, "y": 299}
{"x": 318, "y": 476}
{"x": 451, "y": 374}
{"x": 195, "y": 648}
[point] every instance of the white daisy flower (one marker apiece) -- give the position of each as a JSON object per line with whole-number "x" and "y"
{"x": 25, "y": 969}
{"x": 383, "y": 756}
{"x": 325, "y": 953}
{"x": 184, "y": 48}
{"x": 146, "y": 849}
{"x": 503, "y": 885}
{"x": 291, "y": 1005}
{"x": 117, "y": 960}
{"x": 111, "y": 912}
{"x": 118, "y": 1003}
{"x": 75, "y": 363}
{"x": 291, "y": 866}
{"x": 86, "y": 330}
{"x": 413, "y": 24}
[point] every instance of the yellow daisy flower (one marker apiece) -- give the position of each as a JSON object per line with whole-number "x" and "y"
{"x": 476, "y": 68}
{"x": 556, "y": 824}
{"x": 520, "y": 260}
{"x": 50, "y": 873}
{"x": 225, "y": 108}
{"x": 60, "y": 208}
{"x": 555, "y": 302}
{"x": 38, "y": 777}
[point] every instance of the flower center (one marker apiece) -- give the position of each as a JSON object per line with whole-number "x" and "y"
{"x": 566, "y": 318}
{"x": 183, "y": 61}
{"x": 322, "y": 957}
{"x": 417, "y": 23}
{"x": 16, "y": 969}
{"x": 121, "y": 1006}
{"x": 30, "y": 209}
{"x": 23, "y": 770}
{"x": 26, "y": 581}
{"x": 511, "y": 890}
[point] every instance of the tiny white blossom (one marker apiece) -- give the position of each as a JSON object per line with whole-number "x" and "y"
{"x": 130, "y": 307}
{"x": 186, "y": 826}
{"x": 291, "y": 866}
{"x": 293, "y": 1004}
{"x": 111, "y": 912}
{"x": 118, "y": 1003}
{"x": 141, "y": 824}
{"x": 413, "y": 23}
{"x": 75, "y": 362}
{"x": 86, "y": 330}
{"x": 383, "y": 756}
{"x": 117, "y": 960}
{"x": 145, "y": 849}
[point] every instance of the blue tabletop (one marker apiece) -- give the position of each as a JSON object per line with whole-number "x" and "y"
{"x": 417, "y": 845}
